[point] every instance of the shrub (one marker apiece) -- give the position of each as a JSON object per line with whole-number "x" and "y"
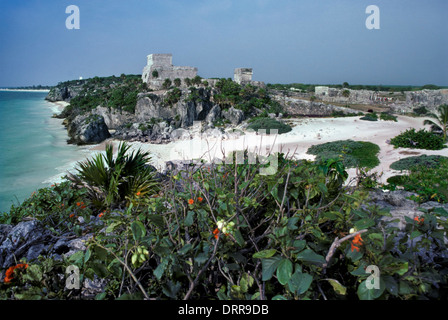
{"x": 269, "y": 124}
{"x": 424, "y": 160}
{"x": 232, "y": 233}
{"x": 421, "y": 139}
{"x": 353, "y": 153}
{"x": 112, "y": 181}
{"x": 429, "y": 183}
{"x": 421, "y": 111}
{"x": 370, "y": 117}
{"x": 388, "y": 117}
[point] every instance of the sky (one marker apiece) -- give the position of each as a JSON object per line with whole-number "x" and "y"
{"x": 284, "y": 41}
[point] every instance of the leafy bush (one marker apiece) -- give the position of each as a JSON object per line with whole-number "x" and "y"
{"x": 52, "y": 205}
{"x": 429, "y": 182}
{"x": 353, "y": 153}
{"x": 421, "y": 139}
{"x": 421, "y": 111}
{"x": 229, "y": 232}
{"x": 370, "y": 117}
{"x": 269, "y": 124}
{"x": 172, "y": 97}
{"x": 424, "y": 160}
{"x": 388, "y": 117}
{"x": 112, "y": 181}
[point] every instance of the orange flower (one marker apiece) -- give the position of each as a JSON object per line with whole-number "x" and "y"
{"x": 216, "y": 233}
{"x": 101, "y": 215}
{"x": 9, "y": 275}
{"x": 419, "y": 220}
{"x": 138, "y": 194}
{"x": 78, "y": 203}
{"x": 72, "y": 215}
{"x": 200, "y": 199}
{"x": 356, "y": 243}
{"x": 190, "y": 201}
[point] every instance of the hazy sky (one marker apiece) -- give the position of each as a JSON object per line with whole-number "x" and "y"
{"x": 284, "y": 41}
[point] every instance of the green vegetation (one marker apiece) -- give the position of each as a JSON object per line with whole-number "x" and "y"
{"x": 421, "y": 139}
{"x": 311, "y": 87}
{"x": 113, "y": 92}
{"x": 110, "y": 181}
{"x": 424, "y": 160}
{"x": 388, "y": 117}
{"x": 172, "y": 97}
{"x": 429, "y": 182}
{"x": 440, "y": 123}
{"x": 248, "y": 98}
{"x": 233, "y": 233}
{"x": 370, "y": 117}
{"x": 353, "y": 153}
{"x": 269, "y": 124}
{"x": 420, "y": 111}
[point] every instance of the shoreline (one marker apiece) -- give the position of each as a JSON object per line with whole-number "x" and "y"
{"x": 26, "y": 90}
{"x": 306, "y": 133}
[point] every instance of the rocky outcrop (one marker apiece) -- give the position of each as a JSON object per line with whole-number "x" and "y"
{"x": 63, "y": 93}
{"x": 235, "y": 116}
{"x": 301, "y": 107}
{"x": 114, "y": 118}
{"x": 87, "y": 129}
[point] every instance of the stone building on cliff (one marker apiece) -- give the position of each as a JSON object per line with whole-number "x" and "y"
{"x": 160, "y": 67}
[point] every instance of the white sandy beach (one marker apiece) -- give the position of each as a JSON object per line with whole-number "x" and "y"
{"x": 306, "y": 132}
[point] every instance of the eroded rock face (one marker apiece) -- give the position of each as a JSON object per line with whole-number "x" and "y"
{"x": 88, "y": 129}
{"x": 235, "y": 116}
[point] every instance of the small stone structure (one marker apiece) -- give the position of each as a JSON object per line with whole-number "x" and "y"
{"x": 321, "y": 90}
{"x": 243, "y": 75}
{"x": 160, "y": 67}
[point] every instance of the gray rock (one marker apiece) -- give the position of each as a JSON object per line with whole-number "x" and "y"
{"x": 213, "y": 115}
{"x": 88, "y": 129}
{"x": 235, "y": 116}
{"x": 180, "y": 134}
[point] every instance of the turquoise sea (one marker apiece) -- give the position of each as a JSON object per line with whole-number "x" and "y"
{"x": 33, "y": 146}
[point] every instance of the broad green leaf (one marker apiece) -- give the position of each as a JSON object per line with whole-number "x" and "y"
{"x": 264, "y": 254}
{"x": 364, "y": 223}
{"x": 299, "y": 282}
{"x": 269, "y": 266}
{"x": 299, "y": 245}
{"x": 415, "y": 234}
{"x": 239, "y": 238}
{"x": 292, "y": 223}
{"x": 112, "y": 226}
{"x": 284, "y": 271}
{"x": 158, "y": 272}
{"x": 279, "y": 297}
{"x": 338, "y": 287}
{"x": 309, "y": 255}
{"x": 185, "y": 249}
{"x": 391, "y": 284}
{"x": 361, "y": 270}
{"x": 370, "y": 294}
{"x": 156, "y": 219}
{"x": 189, "y": 219}
{"x": 138, "y": 230}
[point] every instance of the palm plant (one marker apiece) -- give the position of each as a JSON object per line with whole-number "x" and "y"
{"x": 112, "y": 181}
{"x": 441, "y": 122}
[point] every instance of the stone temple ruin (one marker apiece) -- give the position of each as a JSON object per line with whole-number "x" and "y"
{"x": 160, "y": 67}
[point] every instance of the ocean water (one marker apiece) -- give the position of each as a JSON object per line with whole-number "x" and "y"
{"x": 33, "y": 146}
